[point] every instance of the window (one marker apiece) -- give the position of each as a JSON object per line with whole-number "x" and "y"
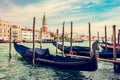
{"x": 14, "y": 26}
{"x": 0, "y": 30}
{"x": 0, "y": 35}
{"x": 4, "y": 30}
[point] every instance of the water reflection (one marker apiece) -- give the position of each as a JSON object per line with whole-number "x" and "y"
{"x": 52, "y": 73}
{"x": 68, "y": 75}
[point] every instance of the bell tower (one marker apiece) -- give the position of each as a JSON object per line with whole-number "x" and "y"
{"x": 44, "y": 24}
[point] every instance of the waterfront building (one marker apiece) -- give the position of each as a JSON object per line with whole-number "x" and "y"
{"x": 16, "y": 33}
{"x": 27, "y": 35}
{"x": 46, "y": 35}
{"x": 5, "y": 31}
{"x": 75, "y": 36}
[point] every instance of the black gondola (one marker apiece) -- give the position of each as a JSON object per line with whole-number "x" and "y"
{"x": 75, "y": 49}
{"x": 109, "y": 46}
{"x": 42, "y": 56}
{"x": 84, "y": 51}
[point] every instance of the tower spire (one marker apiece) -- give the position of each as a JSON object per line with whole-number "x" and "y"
{"x": 44, "y": 20}
{"x": 44, "y": 23}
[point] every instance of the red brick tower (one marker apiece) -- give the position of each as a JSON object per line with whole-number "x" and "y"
{"x": 44, "y": 24}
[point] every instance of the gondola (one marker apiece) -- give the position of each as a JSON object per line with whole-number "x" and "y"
{"x": 76, "y": 49}
{"x": 108, "y": 52}
{"x": 43, "y": 57}
{"x": 84, "y": 51}
{"x": 109, "y": 46}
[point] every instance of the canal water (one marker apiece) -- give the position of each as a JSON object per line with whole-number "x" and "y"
{"x": 18, "y": 69}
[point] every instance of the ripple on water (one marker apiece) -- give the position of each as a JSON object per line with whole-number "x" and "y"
{"x": 18, "y": 69}
{"x": 2, "y": 75}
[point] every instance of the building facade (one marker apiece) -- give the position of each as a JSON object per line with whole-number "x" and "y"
{"x": 5, "y": 31}
{"x": 27, "y": 35}
{"x": 45, "y": 33}
{"x": 23, "y": 34}
{"x": 16, "y": 33}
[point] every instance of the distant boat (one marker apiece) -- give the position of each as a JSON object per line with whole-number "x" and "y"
{"x": 3, "y": 41}
{"x": 78, "y": 41}
{"x": 42, "y": 56}
{"x": 45, "y": 41}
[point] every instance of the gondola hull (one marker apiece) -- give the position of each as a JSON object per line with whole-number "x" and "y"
{"x": 109, "y": 47}
{"x": 64, "y": 63}
{"x": 84, "y": 51}
{"x": 76, "y": 49}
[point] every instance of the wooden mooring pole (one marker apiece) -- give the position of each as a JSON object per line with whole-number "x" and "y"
{"x": 98, "y": 36}
{"x": 90, "y": 38}
{"x": 10, "y": 44}
{"x": 114, "y": 42}
{"x": 71, "y": 38}
{"x": 33, "y": 55}
{"x": 40, "y": 38}
{"x": 118, "y": 39}
{"x": 63, "y": 40}
{"x": 57, "y": 42}
{"x": 116, "y": 65}
{"x": 105, "y": 37}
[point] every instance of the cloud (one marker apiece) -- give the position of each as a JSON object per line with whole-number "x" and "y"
{"x": 20, "y": 14}
{"x": 80, "y": 12}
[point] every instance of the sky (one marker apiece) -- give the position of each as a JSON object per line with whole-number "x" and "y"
{"x": 99, "y": 13}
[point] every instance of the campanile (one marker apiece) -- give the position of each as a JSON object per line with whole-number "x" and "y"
{"x": 44, "y": 24}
